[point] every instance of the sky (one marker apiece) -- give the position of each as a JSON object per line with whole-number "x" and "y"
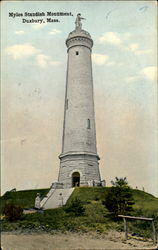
{"x": 34, "y": 58}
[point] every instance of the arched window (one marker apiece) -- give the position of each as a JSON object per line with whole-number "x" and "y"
{"x": 77, "y": 53}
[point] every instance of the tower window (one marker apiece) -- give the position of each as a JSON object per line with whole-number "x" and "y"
{"x": 77, "y": 53}
{"x": 88, "y": 124}
{"x": 67, "y": 103}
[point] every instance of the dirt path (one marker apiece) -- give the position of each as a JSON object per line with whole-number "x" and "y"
{"x": 67, "y": 241}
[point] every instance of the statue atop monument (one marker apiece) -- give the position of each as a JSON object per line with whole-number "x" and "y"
{"x": 78, "y": 21}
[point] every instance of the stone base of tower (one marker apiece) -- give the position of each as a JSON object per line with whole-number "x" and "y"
{"x": 79, "y": 169}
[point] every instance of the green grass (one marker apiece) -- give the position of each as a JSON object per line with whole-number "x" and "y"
{"x": 145, "y": 202}
{"x": 25, "y": 198}
{"x": 86, "y": 194}
{"x": 96, "y": 217}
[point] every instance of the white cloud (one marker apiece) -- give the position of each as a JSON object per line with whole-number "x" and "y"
{"x": 55, "y": 62}
{"x": 123, "y": 42}
{"x": 43, "y": 61}
{"x": 126, "y": 36}
{"x": 133, "y": 46}
{"x": 18, "y": 51}
{"x": 141, "y": 52}
{"x": 38, "y": 26}
{"x": 54, "y": 31}
{"x": 131, "y": 79}
{"x": 19, "y": 32}
{"x": 120, "y": 64}
{"x": 99, "y": 58}
{"x": 149, "y": 72}
{"x": 112, "y": 63}
{"x": 110, "y": 38}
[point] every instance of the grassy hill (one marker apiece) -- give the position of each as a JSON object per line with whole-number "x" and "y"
{"x": 24, "y": 198}
{"x": 143, "y": 201}
{"x": 95, "y": 218}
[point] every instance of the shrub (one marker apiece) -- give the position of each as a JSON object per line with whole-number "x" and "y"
{"x": 75, "y": 207}
{"x": 12, "y": 212}
{"x": 118, "y": 198}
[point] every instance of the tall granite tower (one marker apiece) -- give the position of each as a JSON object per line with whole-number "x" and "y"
{"x": 79, "y": 159}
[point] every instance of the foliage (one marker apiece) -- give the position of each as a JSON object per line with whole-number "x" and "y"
{"x": 13, "y": 212}
{"x": 75, "y": 207}
{"x": 25, "y": 198}
{"x": 95, "y": 218}
{"x": 119, "y": 198}
{"x": 119, "y": 182}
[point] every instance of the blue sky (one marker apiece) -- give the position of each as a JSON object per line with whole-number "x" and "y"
{"x": 34, "y": 60}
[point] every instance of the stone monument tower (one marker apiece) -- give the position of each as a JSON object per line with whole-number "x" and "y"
{"x": 79, "y": 164}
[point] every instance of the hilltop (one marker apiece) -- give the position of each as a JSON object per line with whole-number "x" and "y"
{"x": 96, "y": 217}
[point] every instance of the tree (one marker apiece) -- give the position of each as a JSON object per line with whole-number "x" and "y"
{"x": 12, "y": 212}
{"x": 75, "y": 207}
{"x": 119, "y": 182}
{"x": 118, "y": 198}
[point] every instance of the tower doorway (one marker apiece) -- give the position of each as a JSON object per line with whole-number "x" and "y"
{"x": 75, "y": 179}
